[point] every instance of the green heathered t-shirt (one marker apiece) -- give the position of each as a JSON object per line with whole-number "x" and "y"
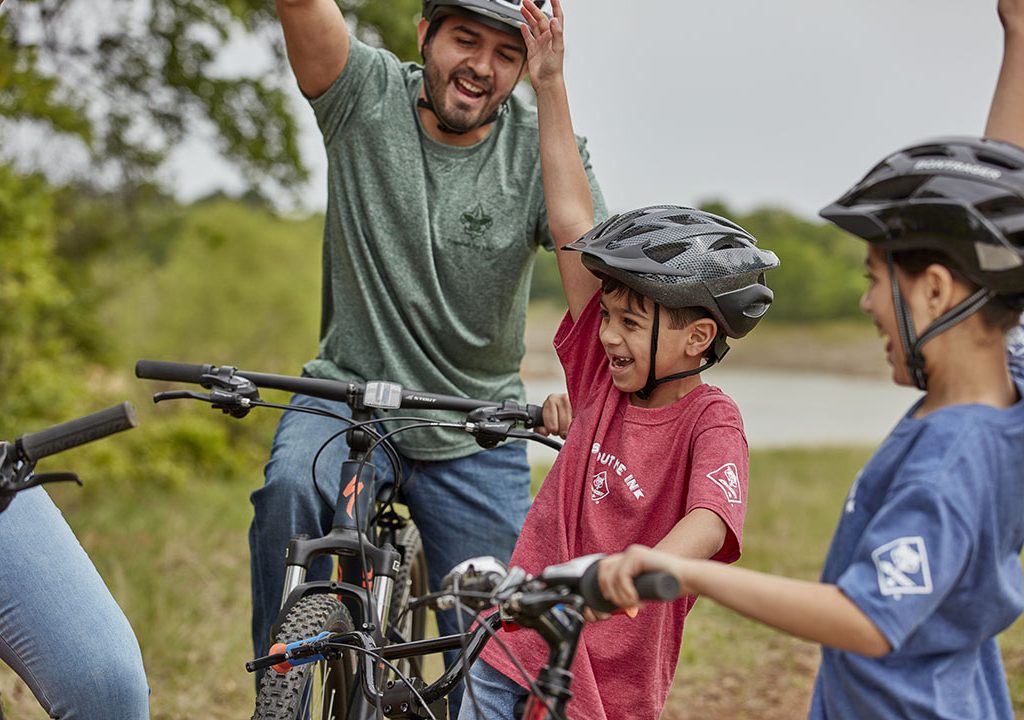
{"x": 428, "y": 248}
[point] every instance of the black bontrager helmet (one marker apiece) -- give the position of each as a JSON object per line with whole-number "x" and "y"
{"x": 504, "y": 15}
{"x": 961, "y": 196}
{"x": 681, "y": 257}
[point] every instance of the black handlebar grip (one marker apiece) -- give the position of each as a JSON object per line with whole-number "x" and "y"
{"x": 536, "y": 413}
{"x": 73, "y": 433}
{"x": 649, "y": 585}
{"x": 171, "y": 371}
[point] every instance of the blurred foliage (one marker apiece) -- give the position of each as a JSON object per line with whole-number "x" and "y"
{"x": 125, "y": 82}
{"x": 820, "y": 276}
{"x": 99, "y": 266}
{"x": 386, "y": 23}
{"x": 37, "y": 313}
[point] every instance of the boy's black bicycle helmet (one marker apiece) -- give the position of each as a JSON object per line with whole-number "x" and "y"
{"x": 682, "y": 257}
{"x": 961, "y": 196}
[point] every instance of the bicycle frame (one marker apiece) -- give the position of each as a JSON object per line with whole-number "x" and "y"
{"x": 349, "y": 543}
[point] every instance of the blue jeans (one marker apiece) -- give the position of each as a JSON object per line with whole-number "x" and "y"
{"x": 494, "y": 695}
{"x": 465, "y": 507}
{"x": 60, "y": 629}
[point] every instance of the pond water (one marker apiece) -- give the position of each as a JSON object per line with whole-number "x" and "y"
{"x": 792, "y": 409}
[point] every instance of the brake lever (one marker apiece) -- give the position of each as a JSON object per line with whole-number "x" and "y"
{"x": 52, "y": 477}
{"x": 492, "y": 424}
{"x": 489, "y": 433}
{"x": 229, "y": 403}
{"x": 180, "y": 395}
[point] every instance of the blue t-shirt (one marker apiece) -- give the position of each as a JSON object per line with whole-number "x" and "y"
{"x": 928, "y": 546}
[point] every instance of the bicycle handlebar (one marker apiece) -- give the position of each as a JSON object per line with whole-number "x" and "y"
{"x": 492, "y": 583}
{"x": 649, "y": 586}
{"x": 36, "y": 445}
{"x": 18, "y": 458}
{"x": 375, "y": 394}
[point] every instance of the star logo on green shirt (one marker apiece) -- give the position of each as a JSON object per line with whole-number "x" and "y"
{"x": 475, "y": 224}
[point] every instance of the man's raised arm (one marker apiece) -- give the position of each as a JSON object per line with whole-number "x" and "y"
{"x": 317, "y": 40}
{"x": 1006, "y": 118}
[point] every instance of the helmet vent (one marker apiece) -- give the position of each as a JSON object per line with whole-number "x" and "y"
{"x": 998, "y": 161}
{"x": 687, "y": 219}
{"x": 664, "y": 253}
{"x": 1007, "y": 205}
{"x": 897, "y": 188}
{"x": 630, "y": 232}
{"x": 929, "y": 150}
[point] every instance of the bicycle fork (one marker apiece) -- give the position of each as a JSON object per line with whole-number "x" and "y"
{"x": 374, "y": 578}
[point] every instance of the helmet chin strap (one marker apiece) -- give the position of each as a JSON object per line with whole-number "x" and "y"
{"x": 908, "y": 337}
{"x": 442, "y": 125}
{"x": 645, "y": 392}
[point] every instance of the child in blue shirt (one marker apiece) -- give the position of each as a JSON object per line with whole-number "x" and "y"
{"x": 924, "y": 568}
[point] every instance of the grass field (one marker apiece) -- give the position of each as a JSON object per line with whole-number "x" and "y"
{"x": 177, "y": 560}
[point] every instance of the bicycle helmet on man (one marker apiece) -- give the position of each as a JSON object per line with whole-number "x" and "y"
{"x": 962, "y": 197}
{"x": 505, "y": 15}
{"x": 681, "y": 257}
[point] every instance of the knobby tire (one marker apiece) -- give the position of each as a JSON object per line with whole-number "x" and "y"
{"x": 316, "y": 691}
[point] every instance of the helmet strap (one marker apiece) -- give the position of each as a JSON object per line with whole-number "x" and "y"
{"x": 441, "y": 125}
{"x": 645, "y": 392}
{"x": 912, "y": 344}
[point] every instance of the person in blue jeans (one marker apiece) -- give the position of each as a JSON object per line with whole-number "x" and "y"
{"x": 60, "y": 629}
{"x": 435, "y": 213}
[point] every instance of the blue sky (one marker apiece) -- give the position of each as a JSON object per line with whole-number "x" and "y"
{"x": 751, "y": 101}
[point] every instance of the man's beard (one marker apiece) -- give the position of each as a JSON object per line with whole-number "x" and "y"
{"x": 450, "y": 116}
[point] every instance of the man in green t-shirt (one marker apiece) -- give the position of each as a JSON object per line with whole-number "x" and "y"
{"x": 435, "y": 211}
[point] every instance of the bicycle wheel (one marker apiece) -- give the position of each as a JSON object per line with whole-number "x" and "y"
{"x": 317, "y": 691}
{"x": 410, "y": 582}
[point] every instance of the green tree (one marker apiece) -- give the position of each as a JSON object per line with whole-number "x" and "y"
{"x": 819, "y": 277}
{"x": 36, "y": 309}
{"x": 130, "y": 81}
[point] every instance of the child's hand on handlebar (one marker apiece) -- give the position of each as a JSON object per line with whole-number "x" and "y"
{"x": 615, "y": 573}
{"x": 557, "y": 416}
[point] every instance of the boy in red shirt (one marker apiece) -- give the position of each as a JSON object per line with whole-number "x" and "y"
{"x": 653, "y": 455}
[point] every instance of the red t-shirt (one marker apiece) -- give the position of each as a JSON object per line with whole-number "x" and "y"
{"x": 626, "y": 475}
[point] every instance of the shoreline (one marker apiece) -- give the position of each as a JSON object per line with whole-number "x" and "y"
{"x": 847, "y": 347}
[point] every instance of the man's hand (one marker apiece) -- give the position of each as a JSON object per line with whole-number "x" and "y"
{"x": 1011, "y": 15}
{"x": 545, "y": 46}
{"x": 557, "y": 416}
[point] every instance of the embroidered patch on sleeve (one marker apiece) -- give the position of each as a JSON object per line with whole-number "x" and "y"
{"x": 902, "y": 567}
{"x": 727, "y": 478}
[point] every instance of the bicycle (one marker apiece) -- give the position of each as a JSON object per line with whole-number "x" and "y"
{"x": 380, "y": 558}
{"x": 550, "y": 603}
